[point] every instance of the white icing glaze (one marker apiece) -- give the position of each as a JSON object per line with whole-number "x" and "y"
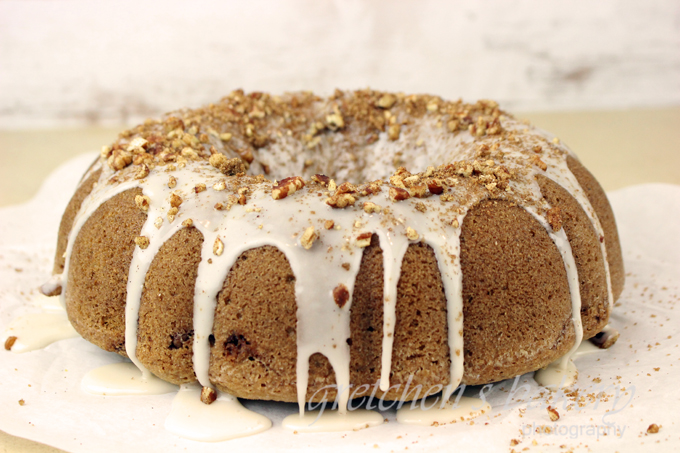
{"x": 123, "y": 378}
{"x": 224, "y": 419}
{"x": 329, "y": 421}
{"x": 37, "y": 330}
{"x": 431, "y": 411}
{"x": 585, "y": 348}
{"x": 557, "y": 374}
{"x": 322, "y": 326}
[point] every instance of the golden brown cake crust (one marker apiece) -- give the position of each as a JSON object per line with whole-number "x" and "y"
{"x": 517, "y": 308}
{"x": 98, "y": 270}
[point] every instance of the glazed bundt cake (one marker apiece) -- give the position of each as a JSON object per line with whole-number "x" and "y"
{"x": 271, "y": 246}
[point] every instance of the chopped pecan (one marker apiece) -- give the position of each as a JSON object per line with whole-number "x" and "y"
{"x": 435, "y": 186}
{"x": 370, "y": 207}
{"x": 412, "y": 234}
{"x": 175, "y": 200}
{"x": 218, "y": 247}
{"x": 346, "y": 187}
{"x": 321, "y": 179}
{"x": 208, "y": 395}
{"x": 308, "y": 238}
{"x": 142, "y": 242}
{"x": 287, "y": 187}
{"x": 9, "y": 342}
{"x": 341, "y": 200}
{"x": 398, "y": 194}
{"x": 364, "y": 239}
{"x": 229, "y": 167}
{"x": 142, "y": 202}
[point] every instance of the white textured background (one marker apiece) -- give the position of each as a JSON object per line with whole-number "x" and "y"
{"x": 79, "y": 62}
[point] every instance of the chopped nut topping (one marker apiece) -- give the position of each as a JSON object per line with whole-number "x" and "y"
{"x": 454, "y": 223}
{"x": 346, "y": 187}
{"x": 172, "y": 212}
{"x": 335, "y": 120}
{"x": 208, "y": 395}
{"x": 188, "y": 223}
{"x": 142, "y": 202}
{"x": 341, "y": 200}
{"x": 142, "y": 242}
{"x": 328, "y": 224}
{"x": 9, "y": 342}
{"x": 308, "y": 238}
{"x": 332, "y": 186}
{"x": 397, "y": 194}
{"x": 553, "y": 414}
{"x": 393, "y": 132}
{"x": 242, "y": 192}
{"x": 287, "y": 187}
{"x": 653, "y": 428}
{"x": 175, "y": 200}
{"x": 218, "y": 247}
{"x": 340, "y": 295}
{"x": 435, "y": 186}
{"x": 605, "y": 339}
{"x": 220, "y": 185}
{"x": 143, "y": 172}
{"x": 412, "y": 234}
{"x": 172, "y": 182}
{"x": 158, "y": 222}
{"x": 555, "y": 218}
{"x": 321, "y": 179}
{"x": 200, "y": 187}
{"x": 419, "y": 191}
{"x": 364, "y": 239}
{"x": 535, "y": 160}
{"x": 386, "y": 101}
{"x": 370, "y": 207}
{"x": 229, "y": 167}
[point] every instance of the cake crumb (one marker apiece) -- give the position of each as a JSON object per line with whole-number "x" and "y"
{"x": 340, "y": 295}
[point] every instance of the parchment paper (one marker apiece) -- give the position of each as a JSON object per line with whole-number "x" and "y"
{"x": 621, "y": 391}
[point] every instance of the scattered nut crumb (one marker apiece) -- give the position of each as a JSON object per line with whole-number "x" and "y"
{"x": 553, "y": 414}
{"x": 208, "y": 395}
{"x": 411, "y": 234}
{"x": 653, "y": 428}
{"x": 142, "y": 242}
{"x": 9, "y": 342}
{"x": 218, "y": 247}
{"x": 308, "y": 238}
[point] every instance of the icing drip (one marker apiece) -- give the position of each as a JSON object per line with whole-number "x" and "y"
{"x": 38, "y": 330}
{"x": 124, "y": 378}
{"x": 224, "y": 419}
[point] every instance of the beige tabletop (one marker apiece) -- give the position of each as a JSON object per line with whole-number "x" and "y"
{"x": 621, "y": 148}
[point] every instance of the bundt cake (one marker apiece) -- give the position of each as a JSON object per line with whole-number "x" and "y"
{"x": 271, "y": 246}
